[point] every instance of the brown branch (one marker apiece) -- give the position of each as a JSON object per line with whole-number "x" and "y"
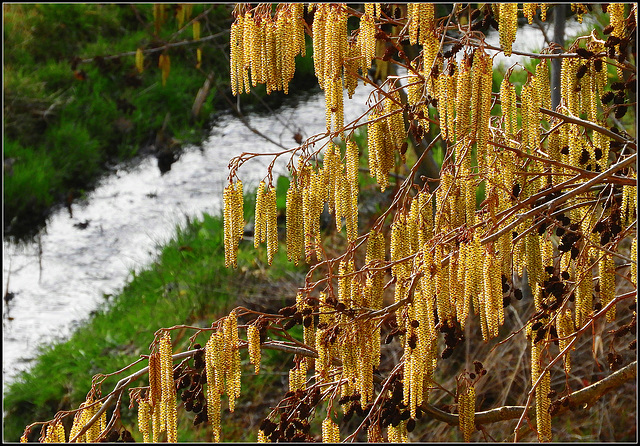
{"x": 561, "y": 199}
{"x": 580, "y": 398}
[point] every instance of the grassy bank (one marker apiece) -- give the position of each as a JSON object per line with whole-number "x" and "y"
{"x": 75, "y": 103}
{"x": 187, "y": 284}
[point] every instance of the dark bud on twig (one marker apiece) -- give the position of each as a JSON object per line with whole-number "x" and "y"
{"x": 621, "y": 110}
{"x": 582, "y": 70}
{"x": 584, "y": 53}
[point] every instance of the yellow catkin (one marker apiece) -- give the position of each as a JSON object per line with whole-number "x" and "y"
{"x": 319, "y": 43}
{"x": 323, "y": 360}
{"x": 395, "y": 121}
{"x": 569, "y": 84}
{"x": 139, "y": 60}
{"x": 213, "y": 352}
{"x": 168, "y": 406}
{"x": 529, "y": 11}
{"x": 442, "y": 286}
{"x": 441, "y": 88}
{"x": 530, "y": 120}
{"x": 234, "y": 50}
{"x": 269, "y": 55}
{"x": 367, "y": 37}
{"x": 156, "y": 424}
{"x": 533, "y": 259}
{"x": 508, "y": 103}
{"x": 253, "y": 341}
{"x": 451, "y": 93}
{"x": 271, "y": 224}
{"x": 472, "y": 273}
{"x": 164, "y": 63}
{"x": 345, "y": 278}
{"x": 584, "y": 294}
{"x": 294, "y": 224}
{"x": 330, "y": 431}
{"x": 79, "y": 420}
{"x": 543, "y": 11}
{"x": 634, "y": 261}
{"x": 55, "y": 433}
{"x": 381, "y": 157}
{"x": 462, "y": 101}
{"x": 252, "y": 47}
{"x": 607, "y": 270}
{"x": 260, "y": 226}
{"x": 262, "y": 438}
{"x": 155, "y": 380}
{"x": 629, "y": 202}
{"x": 467, "y": 412}
{"x": 414, "y": 22}
{"x": 481, "y": 79}
{"x": 492, "y": 290}
{"x": 508, "y": 25}
{"x": 580, "y": 10}
{"x": 543, "y": 417}
{"x": 233, "y": 370}
{"x": 564, "y": 327}
{"x": 144, "y": 419}
{"x": 233, "y": 222}
{"x": 543, "y": 86}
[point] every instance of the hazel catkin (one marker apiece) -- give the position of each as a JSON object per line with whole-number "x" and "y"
{"x": 508, "y": 25}
{"x": 467, "y": 412}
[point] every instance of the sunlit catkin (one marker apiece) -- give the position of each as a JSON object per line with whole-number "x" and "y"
{"x": 634, "y": 261}
{"x": 607, "y": 269}
{"x": 543, "y": 417}
{"x": 294, "y": 224}
{"x": 367, "y": 37}
{"x": 330, "y": 431}
{"x": 144, "y": 419}
{"x": 79, "y": 421}
{"x": 235, "y": 49}
{"x": 543, "y": 86}
{"x": 481, "y": 79}
{"x": 467, "y": 412}
{"x": 462, "y": 101}
{"x": 271, "y": 223}
{"x": 508, "y": 25}
{"x": 568, "y": 83}
{"x": 564, "y": 327}
{"x": 168, "y": 406}
{"x": 213, "y": 352}
{"x": 543, "y": 11}
{"x": 629, "y": 202}
{"x": 529, "y": 11}
{"x": 234, "y": 371}
{"x": 260, "y": 226}
{"x": 492, "y": 287}
{"x": 155, "y": 380}
{"x": 233, "y": 221}
{"x": 319, "y": 44}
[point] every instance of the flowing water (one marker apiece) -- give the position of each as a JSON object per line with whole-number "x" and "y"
{"x": 59, "y": 278}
